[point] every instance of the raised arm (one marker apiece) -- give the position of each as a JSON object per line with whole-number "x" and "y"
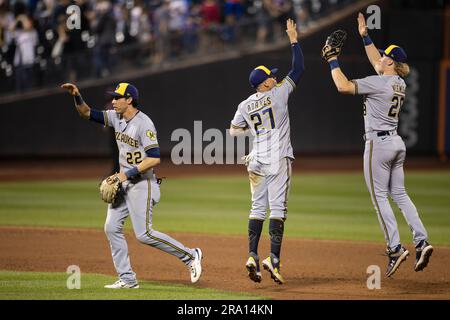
{"x": 298, "y": 63}
{"x": 83, "y": 109}
{"x": 371, "y": 51}
{"x": 343, "y": 85}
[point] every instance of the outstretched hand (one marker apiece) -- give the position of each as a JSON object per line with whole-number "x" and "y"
{"x": 362, "y": 27}
{"x": 291, "y": 30}
{"x": 71, "y": 88}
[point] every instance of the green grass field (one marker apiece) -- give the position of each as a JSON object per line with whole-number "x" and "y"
{"x": 326, "y": 206}
{"x": 322, "y": 206}
{"x": 53, "y": 286}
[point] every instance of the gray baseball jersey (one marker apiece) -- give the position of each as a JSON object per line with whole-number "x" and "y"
{"x": 267, "y": 116}
{"x": 385, "y": 154}
{"x": 134, "y": 138}
{"x": 384, "y": 98}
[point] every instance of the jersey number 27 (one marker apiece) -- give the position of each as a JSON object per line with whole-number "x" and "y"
{"x": 257, "y": 119}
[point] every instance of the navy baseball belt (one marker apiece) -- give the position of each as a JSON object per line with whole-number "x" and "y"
{"x": 373, "y": 134}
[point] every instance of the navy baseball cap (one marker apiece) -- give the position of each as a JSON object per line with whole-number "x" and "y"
{"x": 260, "y": 74}
{"x": 396, "y": 53}
{"x": 125, "y": 90}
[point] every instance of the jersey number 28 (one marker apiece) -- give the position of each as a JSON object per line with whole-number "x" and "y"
{"x": 397, "y": 102}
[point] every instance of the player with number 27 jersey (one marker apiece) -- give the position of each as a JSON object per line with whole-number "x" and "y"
{"x": 269, "y": 165}
{"x": 267, "y": 111}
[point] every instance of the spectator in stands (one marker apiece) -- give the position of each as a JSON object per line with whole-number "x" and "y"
{"x": 25, "y": 38}
{"x": 261, "y": 20}
{"x": 70, "y": 47}
{"x": 232, "y": 14}
{"x": 178, "y": 10}
{"x": 279, "y": 11}
{"x": 210, "y": 24}
{"x": 190, "y": 33}
{"x": 104, "y": 28}
{"x": 6, "y": 20}
{"x": 161, "y": 18}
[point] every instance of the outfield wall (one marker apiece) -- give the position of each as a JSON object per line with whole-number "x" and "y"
{"x": 322, "y": 121}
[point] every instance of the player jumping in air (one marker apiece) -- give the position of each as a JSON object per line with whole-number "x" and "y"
{"x": 385, "y": 150}
{"x": 138, "y": 155}
{"x": 266, "y": 115}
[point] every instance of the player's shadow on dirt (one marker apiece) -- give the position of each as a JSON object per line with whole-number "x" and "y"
{"x": 316, "y": 281}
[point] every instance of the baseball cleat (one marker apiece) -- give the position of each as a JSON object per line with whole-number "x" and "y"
{"x": 423, "y": 254}
{"x": 254, "y": 272}
{"x": 396, "y": 258}
{"x": 196, "y": 266}
{"x": 274, "y": 271}
{"x": 119, "y": 284}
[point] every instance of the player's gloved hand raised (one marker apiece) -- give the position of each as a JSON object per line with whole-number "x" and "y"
{"x": 333, "y": 45}
{"x": 71, "y": 88}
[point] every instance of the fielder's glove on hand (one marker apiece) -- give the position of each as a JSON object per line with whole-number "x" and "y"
{"x": 109, "y": 189}
{"x": 333, "y": 45}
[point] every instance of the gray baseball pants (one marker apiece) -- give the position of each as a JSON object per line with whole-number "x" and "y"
{"x": 383, "y": 172}
{"x": 138, "y": 201}
{"x": 269, "y": 185}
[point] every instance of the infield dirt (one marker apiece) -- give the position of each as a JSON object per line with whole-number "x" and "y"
{"x": 313, "y": 269}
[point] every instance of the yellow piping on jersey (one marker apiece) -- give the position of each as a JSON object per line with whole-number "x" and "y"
{"x": 121, "y": 88}
{"x": 267, "y": 71}
{"x": 389, "y": 49}
{"x": 291, "y": 82}
{"x": 151, "y": 147}
{"x": 105, "y": 119}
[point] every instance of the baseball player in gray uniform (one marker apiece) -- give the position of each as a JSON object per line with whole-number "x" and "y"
{"x": 385, "y": 150}
{"x": 266, "y": 115}
{"x": 138, "y": 154}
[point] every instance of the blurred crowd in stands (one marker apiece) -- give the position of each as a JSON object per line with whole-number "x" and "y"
{"x": 44, "y": 42}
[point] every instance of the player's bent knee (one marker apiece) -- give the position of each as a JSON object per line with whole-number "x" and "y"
{"x": 112, "y": 229}
{"x": 143, "y": 237}
{"x": 146, "y": 237}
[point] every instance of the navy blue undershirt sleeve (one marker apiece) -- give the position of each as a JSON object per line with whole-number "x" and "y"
{"x": 298, "y": 63}
{"x": 153, "y": 153}
{"x": 97, "y": 116}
